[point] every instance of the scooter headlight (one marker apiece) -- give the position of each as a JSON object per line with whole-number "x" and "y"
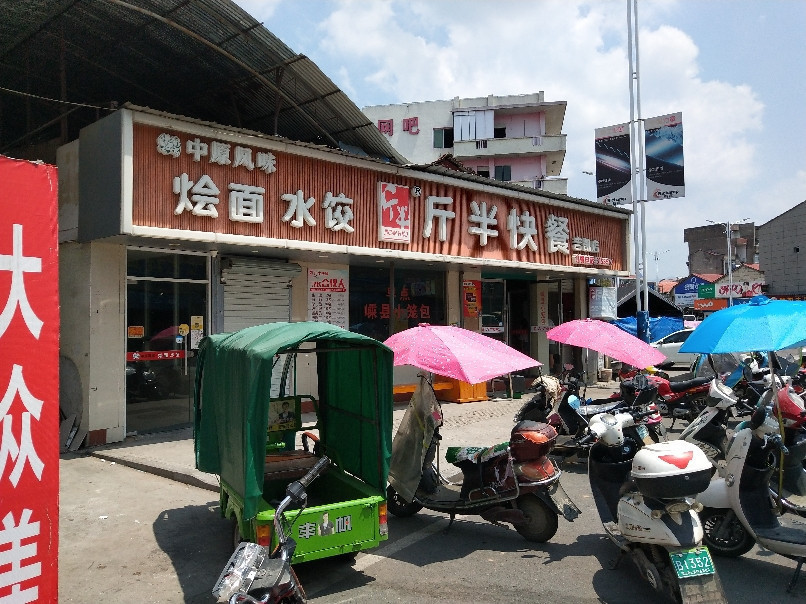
{"x": 678, "y": 507}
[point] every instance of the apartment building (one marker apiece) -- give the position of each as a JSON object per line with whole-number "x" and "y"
{"x": 515, "y": 138}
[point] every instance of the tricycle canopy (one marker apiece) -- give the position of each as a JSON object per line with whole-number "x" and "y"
{"x": 232, "y": 395}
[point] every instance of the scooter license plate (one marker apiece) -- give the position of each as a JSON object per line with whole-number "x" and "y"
{"x": 693, "y": 562}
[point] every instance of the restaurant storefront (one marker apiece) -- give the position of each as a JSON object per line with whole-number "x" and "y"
{"x": 185, "y": 229}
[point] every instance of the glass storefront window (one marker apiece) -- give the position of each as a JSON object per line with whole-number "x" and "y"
{"x": 369, "y": 302}
{"x": 419, "y": 297}
{"x": 166, "y": 314}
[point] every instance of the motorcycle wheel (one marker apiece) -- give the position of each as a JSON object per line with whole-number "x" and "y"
{"x": 737, "y": 542}
{"x": 399, "y": 506}
{"x": 541, "y": 521}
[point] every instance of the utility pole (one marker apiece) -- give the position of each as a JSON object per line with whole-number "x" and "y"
{"x": 637, "y": 175}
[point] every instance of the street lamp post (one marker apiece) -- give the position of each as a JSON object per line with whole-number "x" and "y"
{"x": 657, "y": 277}
{"x": 730, "y": 257}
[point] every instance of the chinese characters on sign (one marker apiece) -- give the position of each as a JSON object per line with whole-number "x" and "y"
{"x": 394, "y": 218}
{"x": 200, "y": 195}
{"x": 327, "y": 296}
{"x": 342, "y": 524}
{"x": 208, "y": 196}
{"x": 410, "y": 125}
{"x": 29, "y": 383}
{"x": 406, "y": 308}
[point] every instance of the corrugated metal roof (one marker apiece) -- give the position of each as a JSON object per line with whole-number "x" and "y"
{"x": 67, "y": 63}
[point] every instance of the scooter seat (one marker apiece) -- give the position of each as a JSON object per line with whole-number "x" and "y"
{"x": 457, "y": 455}
{"x": 596, "y": 408}
{"x": 689, "y": 384}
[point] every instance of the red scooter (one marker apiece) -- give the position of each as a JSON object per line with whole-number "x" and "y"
{"x": 681, "y": 397}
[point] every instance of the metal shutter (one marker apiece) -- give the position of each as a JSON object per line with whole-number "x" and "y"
{"x": 256, "y": 291}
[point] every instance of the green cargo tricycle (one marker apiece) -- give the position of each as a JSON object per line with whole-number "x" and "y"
{"x": 249, "y": 431}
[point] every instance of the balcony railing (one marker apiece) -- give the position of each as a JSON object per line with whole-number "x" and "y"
{"x": 509, "y": 146}
{"x": 551, "y": 185}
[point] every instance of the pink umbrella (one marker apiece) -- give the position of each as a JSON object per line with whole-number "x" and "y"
{"x": 456, "y": 353}
{"x": 607, "y": 339}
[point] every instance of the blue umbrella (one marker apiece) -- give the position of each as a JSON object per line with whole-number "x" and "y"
{"x": 761, "y": 325}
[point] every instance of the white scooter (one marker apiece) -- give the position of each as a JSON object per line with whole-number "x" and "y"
{"x": 645, "y": 501}
{"x": 744, "y": 493}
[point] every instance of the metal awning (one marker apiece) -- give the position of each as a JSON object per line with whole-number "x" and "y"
{"x": 67, "y": 63}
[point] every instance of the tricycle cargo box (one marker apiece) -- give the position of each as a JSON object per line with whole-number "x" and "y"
{"x": 673, "y": 469}
{"x": 531, "y": 440}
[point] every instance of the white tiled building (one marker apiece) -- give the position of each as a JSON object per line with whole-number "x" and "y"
{"x": 515, "y": 138}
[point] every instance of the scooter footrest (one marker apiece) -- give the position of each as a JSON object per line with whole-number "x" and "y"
{"x": 798, "y": 502}
{"x": 502, "y": 514}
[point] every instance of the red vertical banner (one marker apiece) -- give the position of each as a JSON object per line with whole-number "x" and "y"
{"x": 29, "y": 382}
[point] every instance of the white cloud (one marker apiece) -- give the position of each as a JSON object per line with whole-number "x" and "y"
{"x": 394, "y": 51}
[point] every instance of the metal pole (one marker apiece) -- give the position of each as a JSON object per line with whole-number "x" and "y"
{"x": 730, "y": 266}
{"x": 633, "y": 183}
{"x": 641, "y": 159}
{"x": 636, "y": 174}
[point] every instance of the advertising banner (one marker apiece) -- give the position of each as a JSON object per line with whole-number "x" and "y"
{"x": 684, "y": 300}
{"x": 327, "y": 296}
{"x": 663, "y": 138}
{"x": 394, "y": 213}
{"x": 709, "y": 304}
{"x": 602, "y": 303}
{"x": 706, "y": 290}
{"x": 471, "y": 299}
{"x": 29, "y": 382}
{"x": 613, "y": 174}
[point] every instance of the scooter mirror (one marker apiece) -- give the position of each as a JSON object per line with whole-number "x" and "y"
{"x": 758, "y": 417}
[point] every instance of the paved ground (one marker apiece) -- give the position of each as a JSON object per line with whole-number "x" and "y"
{"x": 155, "y": 535}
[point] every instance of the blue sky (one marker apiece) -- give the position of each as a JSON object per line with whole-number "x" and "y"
{"x": 736, "y": 69}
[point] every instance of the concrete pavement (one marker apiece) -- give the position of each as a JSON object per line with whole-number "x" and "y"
{"x": 171, "y": 454}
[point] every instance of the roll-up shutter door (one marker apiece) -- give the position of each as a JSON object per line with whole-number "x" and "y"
{"x": 256, "y": 291}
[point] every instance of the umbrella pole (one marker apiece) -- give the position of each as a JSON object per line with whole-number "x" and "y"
{"x": 779, "y": 508}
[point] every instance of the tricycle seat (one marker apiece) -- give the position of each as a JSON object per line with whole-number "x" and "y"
{"x": 288, "y": 465}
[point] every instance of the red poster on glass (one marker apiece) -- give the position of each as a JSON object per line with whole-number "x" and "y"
{"x": 394, "y": 217}
{"x": 29, "y": 382}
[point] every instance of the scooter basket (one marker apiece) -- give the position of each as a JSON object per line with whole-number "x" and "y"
{"x": 531, "y": 440}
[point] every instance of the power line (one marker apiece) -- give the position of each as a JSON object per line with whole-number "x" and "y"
{"x": 112, "y": 106}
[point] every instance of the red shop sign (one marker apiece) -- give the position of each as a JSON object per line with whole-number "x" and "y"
{"x": 155, "y": 355}
{"x": 29, "y": 382}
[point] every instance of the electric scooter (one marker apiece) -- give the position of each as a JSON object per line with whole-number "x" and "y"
{"x": 744, "y": 493}
{"x": 513, "y": 482}
{"x": 645, "y": 499}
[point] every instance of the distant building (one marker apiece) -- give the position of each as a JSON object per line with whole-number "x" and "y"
{"x": 516, "y": 138}
{"x": 708, "y": 247}
{"x": 782, "y": 244}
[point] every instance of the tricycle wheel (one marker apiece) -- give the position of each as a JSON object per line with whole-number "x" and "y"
{"x": 541, "y": 521}
{"x": 399, "y": 506}
{"x": 236, "y": 533}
